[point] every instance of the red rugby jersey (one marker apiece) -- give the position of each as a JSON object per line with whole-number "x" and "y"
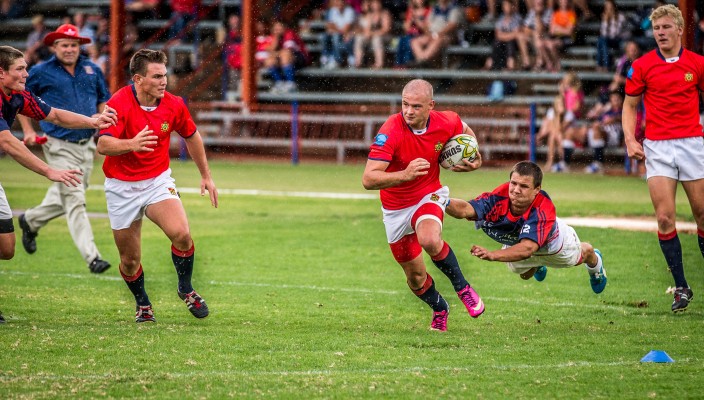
{"x": 670, "y": 93}
{"x": 170, "y": 115}
{"x": 398, "y": 145}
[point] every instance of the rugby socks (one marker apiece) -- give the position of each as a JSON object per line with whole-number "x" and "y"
{"x": 183, "y": 261}
{"x": 672, "y": 250}
{"x": 700, "y": 237}
{"x": 430, "y": 295}
{"x": 446, "y": 261}
{"x": 136, "y": 285}
{"x": 597, "y": 267}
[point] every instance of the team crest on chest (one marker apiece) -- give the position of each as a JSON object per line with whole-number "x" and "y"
{"x": 438, "y": 147}
{"x": 688, "y": 77}
{"x": 164, "y": 127}
{"x": 434, "y": 197}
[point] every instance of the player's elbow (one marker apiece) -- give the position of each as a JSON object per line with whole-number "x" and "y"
{"x": 101, "y": 147}
{"x": 368, "y": 183}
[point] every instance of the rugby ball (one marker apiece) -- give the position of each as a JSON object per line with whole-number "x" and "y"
{"x": 458, "y": 148}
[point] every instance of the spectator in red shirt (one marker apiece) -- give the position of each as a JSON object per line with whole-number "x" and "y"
{"x": 287, "y": 53}
{"x": 184, "y": 18}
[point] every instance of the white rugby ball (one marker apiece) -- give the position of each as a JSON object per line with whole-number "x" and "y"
{"x": 458, "y": 148}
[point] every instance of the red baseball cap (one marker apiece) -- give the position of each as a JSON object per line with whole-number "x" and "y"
{"x": 65, "y": 31}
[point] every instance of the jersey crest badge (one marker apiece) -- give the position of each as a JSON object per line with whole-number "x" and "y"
{"x": 174, "y": 192}
{"x": 88, "y": 69}
{"x": 434, "y": 197}
{"x": 164, "y": 127}
{"x": 688, "y": 77}
{"x": 438, "y": 147}
{"x": 380, "y": 139}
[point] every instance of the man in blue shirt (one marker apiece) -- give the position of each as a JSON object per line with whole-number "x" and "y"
{"x": 70, "y": 81}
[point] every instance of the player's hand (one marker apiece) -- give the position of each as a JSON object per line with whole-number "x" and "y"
{"x": 209, "y": 185}
{"x": 635, "y": 150}
{"x": 144, "y": 140}
{"x": 69, "y": 177}
{"x": 107, "y": 118}
{"x": 468, "y": 166}
{"x": 480, "y": 252}
{"x": 416, "y": 168}
{"x": 30, "y": 138}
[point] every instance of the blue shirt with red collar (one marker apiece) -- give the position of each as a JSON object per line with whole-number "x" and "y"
{"x": 495, "y": 219}
{"x": 24, "y": 103}
{"x": 80, "y": 93}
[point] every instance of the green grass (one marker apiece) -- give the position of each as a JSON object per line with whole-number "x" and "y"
{"x": 307, "y": 301}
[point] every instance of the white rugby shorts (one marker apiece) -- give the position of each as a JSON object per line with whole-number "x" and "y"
{"x": 5, "y": 210}
{"x": 568, "y": 255}
{"x": 127, "y": 200}
{"x": 679, "y": 159}
{"x": 398, "y": 222}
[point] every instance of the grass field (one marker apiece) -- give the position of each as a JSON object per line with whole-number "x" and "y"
{"x": 307, "y": 302}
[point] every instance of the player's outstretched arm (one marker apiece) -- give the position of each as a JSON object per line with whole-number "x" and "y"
{"x": 375, "y": 176}
{"x": 519, "y": 251}
{"x": 72, "y": 120}
{"x": 628, "y": 120}
{"x": 18, "y": 151}
{"x": 195, "y": 147}
{"x": 459, "y": 209}
{"x": 143, "y": 141}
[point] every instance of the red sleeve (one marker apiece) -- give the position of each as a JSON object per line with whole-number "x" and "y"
{"x": 184, "y": 124}
{"x": 385, "y": 142}
{"x": 635, "y": 85}
{"x": 701, "y": 73}
{"x": 34, "y": 107}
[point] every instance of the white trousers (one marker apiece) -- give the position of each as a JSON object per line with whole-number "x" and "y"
{"x": 68, "y": 200}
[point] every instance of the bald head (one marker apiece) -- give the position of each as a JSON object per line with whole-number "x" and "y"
{"x": 418, "y": 87}
{"x": 416, "y": 103}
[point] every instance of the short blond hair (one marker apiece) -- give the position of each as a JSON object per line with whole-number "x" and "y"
{"x": 668, "y": 10}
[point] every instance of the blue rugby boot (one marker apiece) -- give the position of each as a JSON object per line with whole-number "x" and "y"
{"x": 598, "y": 280}
{"x": 541, "y": 273}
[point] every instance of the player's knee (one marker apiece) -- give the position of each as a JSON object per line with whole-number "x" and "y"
{"x": 130, "y": 263}
{"x": 7, "y": 253}
{"x": 666, "y": 223}
{"x": 182, "y": 240}
{"x": 431, "y": 243}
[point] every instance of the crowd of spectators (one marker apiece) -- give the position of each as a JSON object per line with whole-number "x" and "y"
{"x": 527, "y": 35}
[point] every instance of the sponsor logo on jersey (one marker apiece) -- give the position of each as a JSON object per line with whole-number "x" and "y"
{"x": 380, "y": 139}
{"x": 688, "y": 77}
{"x": 438, "y": 147}
{"x": 164, "y": 127}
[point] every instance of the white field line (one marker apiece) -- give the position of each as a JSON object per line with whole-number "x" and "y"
{"x": 333, "y": 372}
{"x": 541, "y": 303}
